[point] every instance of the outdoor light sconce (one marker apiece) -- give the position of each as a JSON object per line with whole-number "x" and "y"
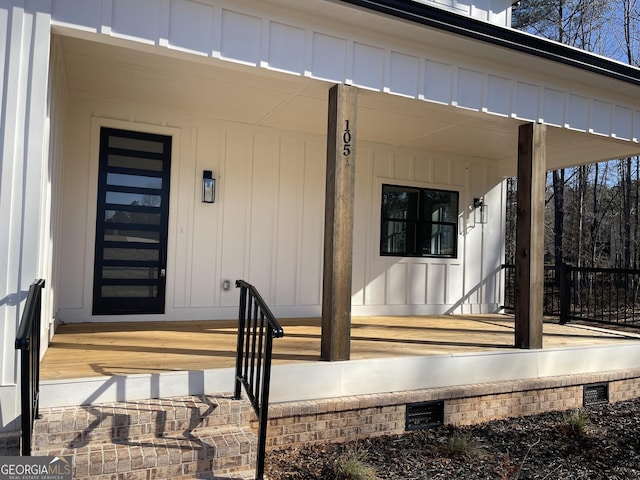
{"x": 208, "y": 187}
{"x": 479, "y": 211}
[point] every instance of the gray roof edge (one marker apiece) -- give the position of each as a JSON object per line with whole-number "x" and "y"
{"x": 438, "y": 18}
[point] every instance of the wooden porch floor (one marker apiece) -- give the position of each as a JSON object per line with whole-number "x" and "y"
{"x": 105, "y": 349}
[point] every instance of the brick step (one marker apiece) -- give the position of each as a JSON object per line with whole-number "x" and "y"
{"x": 177, "y": 438}
{"x": 78, "y": 426}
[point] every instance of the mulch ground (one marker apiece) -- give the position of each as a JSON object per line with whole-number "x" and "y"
{"x": 535, "y": 447}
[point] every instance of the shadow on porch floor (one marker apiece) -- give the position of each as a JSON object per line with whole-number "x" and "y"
{"x": 106, "y": 349}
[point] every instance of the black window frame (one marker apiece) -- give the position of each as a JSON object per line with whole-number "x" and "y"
{"x": 420, "y": 224}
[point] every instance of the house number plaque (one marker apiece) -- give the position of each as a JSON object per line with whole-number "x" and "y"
{"x": 346, "y": 139}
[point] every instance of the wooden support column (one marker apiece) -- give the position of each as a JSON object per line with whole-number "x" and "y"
{"x": 338, "y": 223}
{"x": 529, "y": 281}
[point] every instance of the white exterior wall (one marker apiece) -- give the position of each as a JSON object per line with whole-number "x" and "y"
{"x": 51, "y": 255}
{"x": 435, "y": 68}
{"x": 265, "y": 227}
{"x": 24, "y": 177}
{"x": 384, "y": 285}
{"x": 267, "y": 223}
{"x": 493, "y": 11}
{"x": 283, "y": 256}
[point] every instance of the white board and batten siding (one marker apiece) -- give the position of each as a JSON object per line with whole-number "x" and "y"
{"x": 306, "y": 43}
{"x": 267, "y": 223}
{"x": 25, "y": 183}
{"x": 469, "y": 283}
{"x": 492, "y": 11}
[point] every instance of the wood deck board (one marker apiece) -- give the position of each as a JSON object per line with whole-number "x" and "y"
{"x": 92, "y": 349}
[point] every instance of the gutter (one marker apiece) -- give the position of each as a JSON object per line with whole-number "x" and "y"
{"x": 516, "y": 40}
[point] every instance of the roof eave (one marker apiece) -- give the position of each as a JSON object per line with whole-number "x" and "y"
{"x": 516, "y": 40}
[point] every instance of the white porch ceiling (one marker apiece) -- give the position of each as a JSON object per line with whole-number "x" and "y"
{"x": 257, "y": 96}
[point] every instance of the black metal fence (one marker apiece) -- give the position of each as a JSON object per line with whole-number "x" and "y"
{"x": 257, "y": 327}
{"x": 606, "y": 295}
{"x": 28, "y": 342}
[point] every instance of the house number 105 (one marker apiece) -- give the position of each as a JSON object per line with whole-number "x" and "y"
{"x": 346, "y": 139}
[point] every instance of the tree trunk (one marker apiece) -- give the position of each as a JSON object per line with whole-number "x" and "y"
{"x": 626, "y": 179}
{"x": 558, "y": 212}
{"x": 635, "y": 225}
{"x": 594, "y": 219}
{"x": 582, "y": 189}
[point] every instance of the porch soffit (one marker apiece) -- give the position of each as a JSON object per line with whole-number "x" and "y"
{"x": 451, "y": 102}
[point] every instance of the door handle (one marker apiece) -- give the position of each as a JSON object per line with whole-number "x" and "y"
{"x": 163, "y": 262}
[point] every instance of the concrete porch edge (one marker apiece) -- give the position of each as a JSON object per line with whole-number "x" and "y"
{"x": 321, "y": 380}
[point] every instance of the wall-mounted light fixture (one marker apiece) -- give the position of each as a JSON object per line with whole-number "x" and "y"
{"x": 479, "y": 211}
{"x": 208, "y": 187}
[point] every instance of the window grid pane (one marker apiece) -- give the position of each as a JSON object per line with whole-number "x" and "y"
{"x": 418, "y": 222}
{"x": 439, "y": 239}
{"x": 399, "y": 237}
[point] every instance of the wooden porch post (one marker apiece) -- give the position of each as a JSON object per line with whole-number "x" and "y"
{"x": 532, "y": 166}
{"x": 338, "y": 223}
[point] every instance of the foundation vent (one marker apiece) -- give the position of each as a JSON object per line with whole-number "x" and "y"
{"x": 595, "y": 394}
{"x": 424, "y": 415}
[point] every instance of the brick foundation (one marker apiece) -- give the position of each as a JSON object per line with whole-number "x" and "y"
{"x": 342, "y": 419}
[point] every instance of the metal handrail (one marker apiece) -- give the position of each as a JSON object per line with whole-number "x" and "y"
{"x": 257, "y": 327}
{"x": 28, "y": 342}
{"x": 606, "y": 295}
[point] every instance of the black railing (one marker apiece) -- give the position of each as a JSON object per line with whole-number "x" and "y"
{"x": 257, "y": 327}
{"x": 28, "y": 342}
{"x": 606, "y": 295}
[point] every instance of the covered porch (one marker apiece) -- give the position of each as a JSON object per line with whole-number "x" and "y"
{"x": 459, "y": 122}
{"x": 109, "y": 361}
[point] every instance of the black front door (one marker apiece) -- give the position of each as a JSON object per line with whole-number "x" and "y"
{"x": 132, "y": 223}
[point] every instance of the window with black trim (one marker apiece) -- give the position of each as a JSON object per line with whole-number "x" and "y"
{"x": 419, "y": 222}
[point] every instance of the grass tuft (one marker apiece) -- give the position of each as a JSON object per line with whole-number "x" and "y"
{"x": 460, "y": 444}
{"x": 351, "y": 466}
{"x": 576, "y": 422}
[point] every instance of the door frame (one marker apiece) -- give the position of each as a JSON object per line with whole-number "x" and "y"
{"x": 123, "y": 304}
{"x": 175, "y": 133}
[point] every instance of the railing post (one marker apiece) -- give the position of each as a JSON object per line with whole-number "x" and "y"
{"x": 565, "y": 292}
{"x": 241, "y": 331}
{"x": 26, "y": 393}
{"x": 264, "y": 410}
